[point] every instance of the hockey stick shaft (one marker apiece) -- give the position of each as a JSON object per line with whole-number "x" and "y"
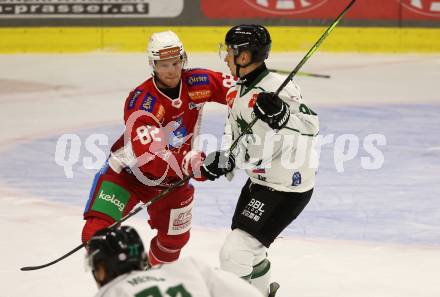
{"x": 295, "y": 71}
{"x": 314, "y": 48}
{"x": 301, "y": 73}
{"x": 115, "y": 224}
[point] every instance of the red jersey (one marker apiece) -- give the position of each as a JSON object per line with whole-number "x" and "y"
{"x": 159, "y": 130}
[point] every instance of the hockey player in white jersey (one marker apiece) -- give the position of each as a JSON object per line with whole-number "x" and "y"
{"x": 277, "y": 154}
{"x": 117, "y": 259}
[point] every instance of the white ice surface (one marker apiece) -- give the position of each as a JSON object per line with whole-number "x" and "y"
{"x": 365, "y": 233}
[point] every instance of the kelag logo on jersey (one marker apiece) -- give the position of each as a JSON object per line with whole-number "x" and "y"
{"x": 111, "y": 199}
{"x": 423, "y": 7}
{"x": 285, "y": 6}
{"x": 198, "y": 80}
{"x": 133, "y": 99}
{"x": 148, "y": 102}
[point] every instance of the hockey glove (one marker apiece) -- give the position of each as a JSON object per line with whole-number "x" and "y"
{"x": 217, "y": 164}
{"x": 191, "y": 164}
{"x": 272, "y": 110}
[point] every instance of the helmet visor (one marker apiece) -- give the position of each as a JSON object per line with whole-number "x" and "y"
{"x": 225, "y": 49}
{"x": 222, "y": 51}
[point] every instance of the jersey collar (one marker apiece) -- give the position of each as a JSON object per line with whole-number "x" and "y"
{"x": 250, "y": 80}
{"x": 176, "y": 102}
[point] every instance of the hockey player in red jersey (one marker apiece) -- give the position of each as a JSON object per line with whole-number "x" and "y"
{"x": 161, "y": 116}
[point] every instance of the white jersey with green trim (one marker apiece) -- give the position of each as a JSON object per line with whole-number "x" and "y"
{"x": 284, "y": 160}
{"x": 186, "y": 277}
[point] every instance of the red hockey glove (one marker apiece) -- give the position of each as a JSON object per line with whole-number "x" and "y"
{"x": 191, "y": 164}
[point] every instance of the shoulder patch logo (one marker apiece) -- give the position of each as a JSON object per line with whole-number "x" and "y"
{"x": 133, "y": 99}
{"x": 148, "y": 103}
{"x": 198, "y": 80}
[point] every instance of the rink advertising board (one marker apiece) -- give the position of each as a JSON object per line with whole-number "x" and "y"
{"x": 90, "y": 8}
{"x": 425, "y": 8}
{"x": 321, "y": 9}
{"x": 123, "y": 25}
{"x": 216, "y": 12}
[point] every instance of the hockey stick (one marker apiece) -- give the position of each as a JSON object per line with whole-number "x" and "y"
{"x": 234, "y": 144}
{"x": 300, "y": 73}
{"x": 115, "y": 224}
{"x": 295, "y": 71}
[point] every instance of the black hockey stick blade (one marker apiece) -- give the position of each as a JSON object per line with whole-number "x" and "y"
{"x": 301, "y": 73}
{"x": 295, "y": 71}
{"x": 115, "y": 224}
{"x": 30, "y": 268}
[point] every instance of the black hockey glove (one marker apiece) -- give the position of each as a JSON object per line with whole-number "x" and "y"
{"x": 272, "y": 110}
{"x": 217, "y": 164}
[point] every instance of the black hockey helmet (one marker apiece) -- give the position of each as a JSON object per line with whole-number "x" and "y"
{"x": 119, "y": 249}
{"x": 254, "y": 38}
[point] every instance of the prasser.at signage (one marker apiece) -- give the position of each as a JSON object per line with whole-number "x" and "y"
{"x": 90, "y": 8}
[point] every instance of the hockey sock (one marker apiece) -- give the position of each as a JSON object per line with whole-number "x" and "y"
{"x": 159, "y": 254}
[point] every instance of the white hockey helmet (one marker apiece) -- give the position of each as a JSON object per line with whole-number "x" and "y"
{"x": 165, "y": 45}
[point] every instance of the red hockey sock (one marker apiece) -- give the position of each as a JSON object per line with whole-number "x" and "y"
{"x": 166, "y": 248}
